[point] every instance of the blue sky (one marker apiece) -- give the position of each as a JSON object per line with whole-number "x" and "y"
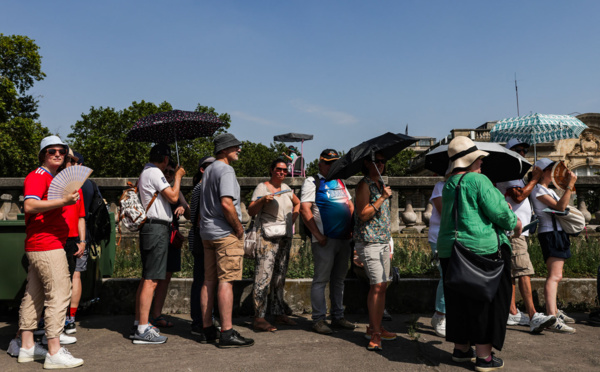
{"x": 343, "y": 71}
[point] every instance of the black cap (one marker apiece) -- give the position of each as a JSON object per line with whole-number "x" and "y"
{"x": 162, "y": 149}
{"x": 329, "y": 155}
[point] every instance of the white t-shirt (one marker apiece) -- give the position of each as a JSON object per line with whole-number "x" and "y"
{"x": 545, "y": 218}
{"x": 436, "y": 217}
{"x": 280, "y": 209}
{"x": 523, "y": 209}
{"x": 152, "y": 180}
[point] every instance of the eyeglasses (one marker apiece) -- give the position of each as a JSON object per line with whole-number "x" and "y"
{"x": 53, "y": 151}
{"x": 380, "y": 161}
{"x": 521, "y": 149}
{"x": 281, "y": 169}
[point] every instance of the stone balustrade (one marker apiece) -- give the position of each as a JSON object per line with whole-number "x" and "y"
{"x": 410, "y": 201}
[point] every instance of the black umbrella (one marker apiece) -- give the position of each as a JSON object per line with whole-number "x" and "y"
{"x": 171, "y": 126}
{"x": 388, "y": 144}
{"x": 500, "y": 165}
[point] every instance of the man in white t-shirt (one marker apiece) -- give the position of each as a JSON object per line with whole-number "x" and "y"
{"x": 156, "y": 196}
{"x": 517, "y": 193}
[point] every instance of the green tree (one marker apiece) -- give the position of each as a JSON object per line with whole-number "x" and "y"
{"x": 256, "y": 158}
{"x": 100, "y": 137}
{"x": 19, "y": 146}
{"x": 398, "y": 165}
{"x": 20, "y": 67}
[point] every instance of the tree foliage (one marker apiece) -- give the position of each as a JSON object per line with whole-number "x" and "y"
{"x": 256, "y": 158}
{"x": 100, "y": 137}
{"x": 398, "y": 165}
{"x": 19, "y": 146}
{"x": 20, "y": 67}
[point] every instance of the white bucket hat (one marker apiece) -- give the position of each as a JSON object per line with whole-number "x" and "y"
{"x": 51, "y": 141}
{"x": 463, "y": 152}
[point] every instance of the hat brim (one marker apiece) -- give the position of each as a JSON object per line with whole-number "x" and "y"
{"x": 467, "y": 160}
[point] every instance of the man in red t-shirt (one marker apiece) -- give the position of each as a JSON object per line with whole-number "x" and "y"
{"x": 48, "y": 281}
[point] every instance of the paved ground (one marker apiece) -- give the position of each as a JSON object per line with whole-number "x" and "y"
{"x": 103, "y": 344}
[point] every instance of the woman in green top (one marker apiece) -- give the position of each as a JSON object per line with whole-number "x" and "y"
{"x": 372, "y": 233}
{"x": 483, "y": 216}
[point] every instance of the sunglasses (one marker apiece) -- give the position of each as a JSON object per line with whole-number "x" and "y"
{"x": 281, "y": 169}
{"x": 72, "y": 161}
{"x": 380, "y": 161}
{"x": 521, "y": 149}
{"x": 53, "y": 151}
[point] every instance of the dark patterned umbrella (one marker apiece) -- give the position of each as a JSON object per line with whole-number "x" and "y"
{"x": 171, "y": 126}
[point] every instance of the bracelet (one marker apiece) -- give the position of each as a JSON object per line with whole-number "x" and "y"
{"x": 376, "y": 210}
{"x": 81, "y": 241}
{"x": 569, "y": 188}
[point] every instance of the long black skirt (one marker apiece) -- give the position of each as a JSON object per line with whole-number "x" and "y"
{"x": 473, "y": 322}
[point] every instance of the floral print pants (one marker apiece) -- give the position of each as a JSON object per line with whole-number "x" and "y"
{"x": 272, "y": 257}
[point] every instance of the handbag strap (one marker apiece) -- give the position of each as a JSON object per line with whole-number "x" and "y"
{"x": 455, "y": 214}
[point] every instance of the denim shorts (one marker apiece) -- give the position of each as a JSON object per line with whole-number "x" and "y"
{"x": 555, "y": 244}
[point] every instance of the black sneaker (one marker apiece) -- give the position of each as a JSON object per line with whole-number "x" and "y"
{"x": 208, "y": 335}
{"x": 594, "y": 318}
{"x": 197, "y": 330}
{"x": 495, "y": 363}
{"x": 70, "y": 328}
{"x": 464, "y": 356}
{"x": 234, "y": 340}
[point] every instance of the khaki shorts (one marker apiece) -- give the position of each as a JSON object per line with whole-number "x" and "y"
{"x": 520, "y": 261}
{"x": 223, "y": 259}
{"x": 376, "y": 260}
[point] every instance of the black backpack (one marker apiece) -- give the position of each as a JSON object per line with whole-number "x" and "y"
{"x": 98, "y": 219}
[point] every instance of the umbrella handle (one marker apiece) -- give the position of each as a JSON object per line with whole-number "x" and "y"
{"x": 381, "y": 179}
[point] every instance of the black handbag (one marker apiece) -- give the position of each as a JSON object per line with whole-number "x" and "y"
{"x": 468, "y": 273}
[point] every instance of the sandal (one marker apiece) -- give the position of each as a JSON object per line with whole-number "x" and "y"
{"x": 284, "y": 319}
{"x": 161, "y": 322}
{"x": 263, "y": 326}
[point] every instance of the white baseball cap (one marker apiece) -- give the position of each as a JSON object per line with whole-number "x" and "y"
{"x": 514, "y": 142}
{"x": 544, "y": 163}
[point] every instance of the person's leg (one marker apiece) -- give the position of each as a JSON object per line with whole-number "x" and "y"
{"x": 323, "y": 262}
{"x": 555, "y": 270}
{"x": 76, "y": 296}
{"x": 57, "y": 291}
{"x": 278, "y": 281}
{"x": 146, "y": 293}
{"x": 263, "y": 272}
{"x": 513, "y": 305}
{"x": 525, "y": 289}
{"x": 225, "y": 298}
{"x": 207, "y": 302}
{"x": 160, "y": 295}
{"x": 32, "y": 303}
{"x": 376, "y": 304}
{"x": 341, "y": 261}
{"x": 198, "y": 280}
{"x": 483, "y": 350}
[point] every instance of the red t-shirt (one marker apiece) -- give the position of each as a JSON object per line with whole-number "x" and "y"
{"x": 47, "y": 230}
{"x": 72, "y": 213}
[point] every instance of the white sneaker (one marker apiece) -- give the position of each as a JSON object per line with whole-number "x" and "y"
{"x": 560, "y": 327}
{"x": 14, "y": 347}
{"x": 564, "y": 317}
{"x": 64, "y": 339}
{"x": 438, "y": 322}
{"x": 37, "y": 352}
{"x": 62, "y": 359}
{"x": 539, "y": 322}
{"x": 518, "y": 319}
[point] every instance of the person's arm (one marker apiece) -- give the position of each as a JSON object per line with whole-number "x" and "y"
{"x": 172, "y": 193}
{"x": 365, "y": 209}
{"x": 296, "y": 210}
{"x": 257, "y": 205}
{"x": 231, "y": 216}
{"x": 518, "y": 194}
{"x": 309, "y": 221}
{"x": 286, "y": 155}
{"x": 437, "y": 203}
{"x": 33, "y": 206}
{"x": 563, "y": 202}
{"x": 82, "y": 237}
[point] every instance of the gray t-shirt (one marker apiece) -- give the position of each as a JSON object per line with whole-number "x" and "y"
{"x": 218, "y": 181}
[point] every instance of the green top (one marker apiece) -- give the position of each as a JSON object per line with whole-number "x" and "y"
{"x": 481, "y": 208}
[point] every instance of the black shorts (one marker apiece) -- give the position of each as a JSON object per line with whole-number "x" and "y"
{"x": 154, "y": 243}
{"x": 555, "y": 244}
{"x": 173, "y": 259}
{"x": 70, "y": 250}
